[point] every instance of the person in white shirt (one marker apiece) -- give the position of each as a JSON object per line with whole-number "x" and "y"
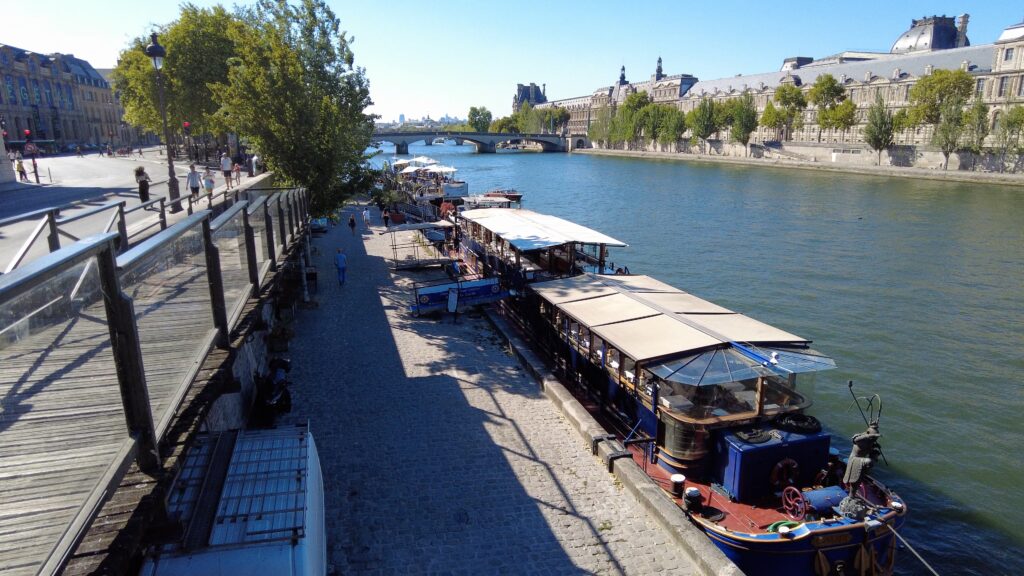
{"x": 225, "y": 167}
{"x": 193, "y": 180}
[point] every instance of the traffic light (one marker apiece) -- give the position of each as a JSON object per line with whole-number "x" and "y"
{"x": 28, "y": 134}
{"x": 187, "y": 126}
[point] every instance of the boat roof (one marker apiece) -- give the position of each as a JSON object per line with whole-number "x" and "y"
{"x": 527, "y": 230}
{"x": 647, "y": 319}
{"x": 418, "y": 226}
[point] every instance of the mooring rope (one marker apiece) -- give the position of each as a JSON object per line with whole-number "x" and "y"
{"x": 914, "y": 552}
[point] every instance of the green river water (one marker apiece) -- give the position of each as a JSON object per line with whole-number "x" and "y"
{"x": 915, "y": 287}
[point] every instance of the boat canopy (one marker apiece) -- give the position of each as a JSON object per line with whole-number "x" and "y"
{"x": 647, "y": 319}
{"x": 418, "y": 226}
{"x": 527, "y": 230}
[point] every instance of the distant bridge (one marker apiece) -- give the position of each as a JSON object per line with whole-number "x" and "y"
{"x": 485, "y": 142}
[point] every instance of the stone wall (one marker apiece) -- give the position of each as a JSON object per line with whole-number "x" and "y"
{"x": 7, "y": 176}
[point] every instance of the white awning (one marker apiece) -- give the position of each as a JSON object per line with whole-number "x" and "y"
{"x": 607, "y": 310}
{"x": 654, "y": 337}
{"x": 527, "y": 230}
{"x": 740, "y": 328}
{"x": 572, "y": 289}
{"x": 418, "y": 226}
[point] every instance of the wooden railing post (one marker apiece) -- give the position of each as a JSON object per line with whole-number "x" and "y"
{"x": 250, "y": 253}
{"x": 122, "y": 227}
{"x": 54, "y": 236}
{"x": 163, "y": 215}
{"x": 131, "y": 376}
{"x": 220, "y": 311}
{"x": 271, "y": 245}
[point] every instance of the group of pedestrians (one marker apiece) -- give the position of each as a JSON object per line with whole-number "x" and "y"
{"x": 194, "y": 180}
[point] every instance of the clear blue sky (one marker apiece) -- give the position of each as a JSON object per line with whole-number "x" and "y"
{"x": 442, "y": 56}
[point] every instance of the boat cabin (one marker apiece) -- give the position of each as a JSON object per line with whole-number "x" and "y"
{"x": 671, "y": 364}
{"x": 518, "y": 243}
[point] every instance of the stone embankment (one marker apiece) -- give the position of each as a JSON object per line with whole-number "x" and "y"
{"x": 787, "y": 163}
{"x": 440, "y": 454}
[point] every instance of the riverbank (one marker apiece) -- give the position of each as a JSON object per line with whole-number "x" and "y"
{"x": 884, "y": 171}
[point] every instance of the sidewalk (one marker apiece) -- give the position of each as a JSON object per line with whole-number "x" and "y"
{"x": 440, "y": 454}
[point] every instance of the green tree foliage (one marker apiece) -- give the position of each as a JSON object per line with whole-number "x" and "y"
{"x": 791, "y": 101}
{"x": 950, "y": 129}
{"x": 479, "y": 119}
{"x": 844, "y": 115}
{"x": 929, "y": 94}
{"x": 294, "y": 91}
{"x": 625, "y": 126}
{"x": 1008, "y": 131}
{"x": 826, "y": 94}
{"x": 880, "y": 130}
{"x": 702, "y": 122}
{"x": 199, "y": 45}
{"x": 976, "y": 128}
{"x": 771, "y": 118}
{"x": 600, "y": 126}
{"x": 744, "y": 120}
{"x": 505, "y": 125}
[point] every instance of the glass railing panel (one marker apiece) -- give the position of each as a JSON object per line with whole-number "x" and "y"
{"x": 229, "y": 238}
{"x": 61, "y": 420}
{"x": 259, "y": 231}
{"x": 174, "y": 314}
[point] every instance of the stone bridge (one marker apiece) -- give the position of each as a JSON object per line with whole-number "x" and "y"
{"x": 485, "y": 142}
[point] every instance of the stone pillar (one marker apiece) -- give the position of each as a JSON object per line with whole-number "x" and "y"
{"x": 401, "y": 147}
{"x": 485, "y": 147}
{"x": 7, "y": 176}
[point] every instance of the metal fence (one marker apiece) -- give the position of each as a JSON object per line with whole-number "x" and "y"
{"x": 99, "y": 349}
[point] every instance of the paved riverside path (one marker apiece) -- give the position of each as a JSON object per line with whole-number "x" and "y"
{"x": 440, "y": 455}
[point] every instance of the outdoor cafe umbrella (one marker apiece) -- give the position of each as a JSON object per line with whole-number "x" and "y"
{"x": 423, "y": 160}
{"x": 410, "y": 169}
{"x": 402, "y": 162}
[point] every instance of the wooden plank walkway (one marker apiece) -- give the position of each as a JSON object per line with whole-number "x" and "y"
{"x": 62, "y": 425}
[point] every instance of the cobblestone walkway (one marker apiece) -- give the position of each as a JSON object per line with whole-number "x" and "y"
{"x": 440, "y": 456}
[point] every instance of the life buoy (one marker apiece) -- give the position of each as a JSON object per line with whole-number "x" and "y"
{"x": 785, "y": 473}
{"x": 799, "y": 423}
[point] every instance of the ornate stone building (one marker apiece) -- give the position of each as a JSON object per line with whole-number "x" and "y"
{"x": 929, "y": 44}
{"x": 58, "y": 97}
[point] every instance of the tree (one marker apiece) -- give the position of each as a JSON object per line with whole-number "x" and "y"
{"x": 879, "y": 132}
{"x": 791, "y": 99}
{"x": 479, "y": 118}
{"x": 672, "y": 127}
{"x": 930, "y": 93}
{"x": 976, "y": 129}
{"x": 625, "y": 127}
{"x": 199, "y": 45}
{"x": 771, "y": 118}
{"x": 505, "y": 125}
{"x": 555, "y": 118}
{"x": 949, "y": 129}
{"x": 294, "y": 91}
{"x": 599, "y": 129}
{"x": 701, "y": 121}
{"x": 744, "y": 120}
{"x": 1008, "y": 130}
{"x": 826, "y": 94}
{"x": 844, "y": 115}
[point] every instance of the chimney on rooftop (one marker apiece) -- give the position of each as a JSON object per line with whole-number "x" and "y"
{"x": 961, "y": 30}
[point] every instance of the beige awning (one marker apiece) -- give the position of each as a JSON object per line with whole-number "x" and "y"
{"x": 527, "y": 230}
{"x": 607, "y": 309}
{"x": 740, "y": 328}
{"x": 572, "y": 289}
{"x": 639, "y": 283}
{"x": 654, "y": 337}
{"x": 681, "y": 302}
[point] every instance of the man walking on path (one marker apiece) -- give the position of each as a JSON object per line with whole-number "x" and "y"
{"x": 352, "y": 223}
{"x": 193, "y": 181}
{"x": 366, "y": 216}
{"x": 225, "y": 168}
{"x": 341, "y": 263}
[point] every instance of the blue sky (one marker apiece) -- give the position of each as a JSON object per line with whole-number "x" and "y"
{"x": 443, "y": 56}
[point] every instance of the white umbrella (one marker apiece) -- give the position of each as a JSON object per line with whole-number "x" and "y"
{"x": 400, "y": 162}
{"x": 441, "y": 169}
{"x": 410, "y": 169}
{"x": 424, "y": 160}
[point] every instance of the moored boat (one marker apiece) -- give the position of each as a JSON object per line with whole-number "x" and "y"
{"x": 711, "y": 403}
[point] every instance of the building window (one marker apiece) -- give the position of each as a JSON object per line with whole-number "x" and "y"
{"x": 1002, "y": 86}
{"x": 12, "y": 96}
{"x": 1007, "y": 54}
{"x": 979, "y": 87}
{"x": 1020, "y": 86}
{"x": 23, "y": 88}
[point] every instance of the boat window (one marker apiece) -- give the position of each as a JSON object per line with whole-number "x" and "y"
{"x": 584, "y": 337}
{"x": 597, "y": 352}
{"x": 781, "y": 394}
{"x": 612, "y": 362}
{"x": 629, "y": 369}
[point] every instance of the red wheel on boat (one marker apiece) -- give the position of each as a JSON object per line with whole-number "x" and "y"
{"x": 793, "y": 503}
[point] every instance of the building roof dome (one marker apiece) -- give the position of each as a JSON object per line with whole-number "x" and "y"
{"x": 932, "y": 33}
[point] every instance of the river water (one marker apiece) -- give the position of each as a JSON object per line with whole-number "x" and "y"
{"x": 915, "y": 287}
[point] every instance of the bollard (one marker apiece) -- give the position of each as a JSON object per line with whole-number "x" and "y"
{"x": 677, "y": 484}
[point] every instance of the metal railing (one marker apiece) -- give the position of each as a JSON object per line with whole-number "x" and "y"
{"x": 154, "y": 311}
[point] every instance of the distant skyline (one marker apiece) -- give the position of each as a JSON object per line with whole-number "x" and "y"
{"x": 439, "y": 58}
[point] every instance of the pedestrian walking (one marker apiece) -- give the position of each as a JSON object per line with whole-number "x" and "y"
{"x": 352, "y": 223}
{"x": 341, "y": 263}
{"x": 20, "y": 167}
{"x": 225, "y": 168}
{"x": 237, "y": 170}
{"x": 386, "y": 217}
{"x": 143, "y": 179}
{"x": 194, "y": 180}
{"x": 366, "y": 216}
{"x": 208, "y": 181}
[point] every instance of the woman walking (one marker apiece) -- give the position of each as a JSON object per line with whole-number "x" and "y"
{"x": 208, "y": 181}
{"x": 352, "y": 223}
{"x": 143, "y": 179}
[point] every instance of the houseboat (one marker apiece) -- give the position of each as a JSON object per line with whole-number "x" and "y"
{"x": 711, "y": 403}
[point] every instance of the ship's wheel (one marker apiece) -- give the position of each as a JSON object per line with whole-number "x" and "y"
{"x": 794, "y": 503}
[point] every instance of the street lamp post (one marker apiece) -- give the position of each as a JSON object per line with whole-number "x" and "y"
{"x": 157, "y": 53}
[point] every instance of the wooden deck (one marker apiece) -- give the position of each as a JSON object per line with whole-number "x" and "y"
{"x": 62, "y": 427}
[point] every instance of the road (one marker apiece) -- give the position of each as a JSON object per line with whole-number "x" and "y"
{"x": 91, "y": 181}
